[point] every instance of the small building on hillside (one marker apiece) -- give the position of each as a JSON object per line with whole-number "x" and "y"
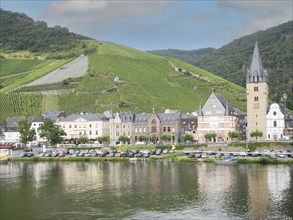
{"x": 218, "y": 117}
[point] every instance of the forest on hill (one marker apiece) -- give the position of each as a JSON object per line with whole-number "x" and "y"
{"x": 20, "y": 32}
{"x": 233, "y": 60}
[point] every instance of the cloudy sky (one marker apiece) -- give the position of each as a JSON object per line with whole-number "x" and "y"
{"x": 158, "y": 24}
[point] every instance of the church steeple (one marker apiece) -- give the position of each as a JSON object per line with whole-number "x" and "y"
{"x": 256, "y": 73}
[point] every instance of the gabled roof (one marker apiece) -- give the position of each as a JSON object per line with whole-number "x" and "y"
{"x": 12, "y": 121}
{"x": 142, "y": 117}
{"x": 256, "y": 68}
{"x": 217, "y": 105}
{"x": 168, "y": 116}
{"x": 126, "y": 116}
{"x": 54, "y": 115}
{"x": 87, "y": 117}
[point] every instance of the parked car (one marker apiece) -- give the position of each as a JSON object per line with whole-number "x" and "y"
{"x": 165, "y": 151}
{"x": 138, "y": 155}
{"x": 158, "y": 152}
{"x": 146, "y": 155}
{"x": 191, "y": 155}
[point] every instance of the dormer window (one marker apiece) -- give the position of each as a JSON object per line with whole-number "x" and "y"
{"x": 255, "y": 79}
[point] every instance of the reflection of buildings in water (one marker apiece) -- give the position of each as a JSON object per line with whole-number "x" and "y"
{"x": 82, "y": 177}
{"x": 278, "y": 181}
{"x": 215, "y": 185}
{"x": 41, "y": 173}
{"x": 10, "y": 173}
{"x": 257, "y": 192}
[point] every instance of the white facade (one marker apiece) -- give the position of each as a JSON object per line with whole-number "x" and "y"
{"x": 11, "y": 136}
{"x": 275, "y": 123}
{"x": 87, "y": 125}
{"x": 121, "y": 125}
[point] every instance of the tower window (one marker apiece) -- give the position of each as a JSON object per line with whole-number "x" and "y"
{"x": 275, "y": 123}
{"x": 256, "y": 89}
{"x": 256, "y": 99}
{"x": 255, "y": 79}
{"x": 274, "y": 113}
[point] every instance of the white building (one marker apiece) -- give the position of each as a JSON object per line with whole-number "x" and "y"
{"x": 275, "y": 123}
{"x": 85, "y": 124}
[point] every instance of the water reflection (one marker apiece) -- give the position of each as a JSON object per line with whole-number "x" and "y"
{"x": 161, "y": 189}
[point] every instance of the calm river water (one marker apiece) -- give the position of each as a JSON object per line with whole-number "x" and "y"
{"x": 145, "y": 190}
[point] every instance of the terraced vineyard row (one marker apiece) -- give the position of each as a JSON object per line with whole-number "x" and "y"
{"x": 14, "y": 104}
{"x": 35, "y": 75}
{"x": 47, "y": 87}
{"x": 13, "y": 66}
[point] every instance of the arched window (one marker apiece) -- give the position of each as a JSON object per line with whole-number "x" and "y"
{"x": 154, "y": 126}
{"x": 275, "y": 123}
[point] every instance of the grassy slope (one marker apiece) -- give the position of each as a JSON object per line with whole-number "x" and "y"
{"x": 150, "y": 81}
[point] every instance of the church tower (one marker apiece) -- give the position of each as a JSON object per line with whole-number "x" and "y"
{"x": 257, "y": 96}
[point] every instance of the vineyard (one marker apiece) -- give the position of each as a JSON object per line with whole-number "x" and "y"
{"x": 14, "y": 66}
{"x": 68, "y": 84}
{"x": 34, "y": 75}
{"x": 15, "y": 104}
{"x": 76, "y": 68}
{"x": 146, "y": 81}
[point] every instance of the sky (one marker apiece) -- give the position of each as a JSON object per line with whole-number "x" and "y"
{"x": 158, "y": 24}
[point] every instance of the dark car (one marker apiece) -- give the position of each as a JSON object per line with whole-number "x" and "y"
{"x": 130, "y": 154}
{"x": 146, "y": 155}
{"x": 24, "y": 154}
{"x": 152, "y": 152}
{"x": 138, "y": 155}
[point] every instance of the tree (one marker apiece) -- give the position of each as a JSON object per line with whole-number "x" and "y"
{"x": 51, "y": 132}
{"x": 143, "y": 138}
{"x": 124, "y": 139}
{"x": 233, "y": 134}
{"x": 166, "y": 137}
{"x": 187, "y": 137}
{"x": 210, "y": 136}
{"x": 26, "y": 134}
{"x": 82, "y": 140}
{"x": 103, "y": 139}
{"x": 256, "y": 134}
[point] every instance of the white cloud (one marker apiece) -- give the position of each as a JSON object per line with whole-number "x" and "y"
{"x": 100, "y": 16}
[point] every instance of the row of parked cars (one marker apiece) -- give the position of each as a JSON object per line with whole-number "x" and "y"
{"x": 100, "y": 153}
{"x": 271, "y": 154}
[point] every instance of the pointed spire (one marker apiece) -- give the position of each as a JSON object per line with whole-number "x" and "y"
{"x": 200, "y": 110}
{"x": 227, "y": 108}
{"x": 256, "y": 73}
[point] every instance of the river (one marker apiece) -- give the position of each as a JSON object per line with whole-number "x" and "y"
{"x": 145, "y": 190}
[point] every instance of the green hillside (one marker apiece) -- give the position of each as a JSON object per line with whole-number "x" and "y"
{"x": 232, "y": 60}
{"x": 147, "y": 81}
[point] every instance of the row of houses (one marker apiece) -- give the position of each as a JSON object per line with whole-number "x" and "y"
{"x": 216, "y": 116}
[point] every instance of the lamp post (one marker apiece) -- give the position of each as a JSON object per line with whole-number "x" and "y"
{"x": 285, "y": 96}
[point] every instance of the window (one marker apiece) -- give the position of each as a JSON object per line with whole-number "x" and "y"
{"x": 169, "y": 129}
{"x": 90, "y": 132}
{"x": 269, "y": 136}
{"x": 256, "y": 89}
{"x": 256, "y": 115}
{"x": 164, "y": 129}
{"x": 256, "y": 99}
{"x": 69, "y": 126}
{"x": 255, "y": 79}
{"x": 275, "y": 113}
{"x": 275, "y": 123}
{"x": 154, "y": 126}
{"x": 75, "y": 126}
{"x": 90, "y": 125}
{"x": 96, "y": 132}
